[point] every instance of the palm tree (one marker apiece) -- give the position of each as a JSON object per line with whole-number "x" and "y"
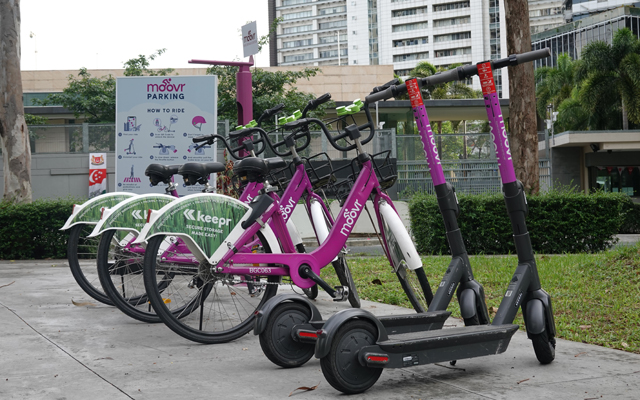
{"x": 554, "y": 84}
{"x": 449, "y": 90}
{"x": 612, "y": 75}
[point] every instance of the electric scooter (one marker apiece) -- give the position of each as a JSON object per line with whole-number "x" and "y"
{"x": 295, "y": 344}
{"x": 353, "y": 349}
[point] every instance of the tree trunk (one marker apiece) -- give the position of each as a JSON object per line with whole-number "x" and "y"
{"x": 16, "y": 150}
{"x": 625, "y": 117}
{"x": 522, "y": 100}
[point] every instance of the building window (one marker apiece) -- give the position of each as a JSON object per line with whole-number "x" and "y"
{"x": 453, "y": 52}
{"x": 452, "y": 36}
{"x": 410, "y": 42}
{"x": 411, "y": 57}
{"x": 545, "y": 12}
{"x": 332, "y": 24}
{"x": 333, "y": 53}
{"x": 329, "y": 39}
{"x": 402, "y": 72}
{"x": 302, "y": 14}
{"x": 409, "y": 27}
{"x": 332, "y": 10}
{"x": 452, "y": 21}
{"x": 409, "y": 11}
{"x": 297, "y": 43}
{"x": 451, "y": 6}
{"x": 295, "y": 29}
{"x": 292, "y": 2}
{"x": 299, "y": 57}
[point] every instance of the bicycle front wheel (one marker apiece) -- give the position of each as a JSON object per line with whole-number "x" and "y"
{"x": 82, "y": 254}
{"x": 197, "y": 303}
{"x": 414, "y": 282}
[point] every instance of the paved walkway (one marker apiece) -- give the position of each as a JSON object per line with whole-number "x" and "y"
{"x": 51, "y": 348}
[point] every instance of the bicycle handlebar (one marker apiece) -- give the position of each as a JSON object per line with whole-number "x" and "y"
{"x": 270, "y": 112}
{"x": 315, "y": 103}
{"x": 247, "y": 145}
{"x": 459, "y": 73}
{"x": 305, "y": 122}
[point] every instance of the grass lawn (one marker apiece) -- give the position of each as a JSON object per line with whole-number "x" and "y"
{"x": 594, "y": 296}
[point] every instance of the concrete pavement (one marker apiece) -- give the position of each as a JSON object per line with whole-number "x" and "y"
{"x": 51, "y": 348}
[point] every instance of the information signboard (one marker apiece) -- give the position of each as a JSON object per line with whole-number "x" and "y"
{"x": 156, "y": 118}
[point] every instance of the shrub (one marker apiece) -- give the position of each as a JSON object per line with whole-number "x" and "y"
{"x": 631, "y": 223}
{"x": 558, "y": 222}
{"x": 32, "y": 231}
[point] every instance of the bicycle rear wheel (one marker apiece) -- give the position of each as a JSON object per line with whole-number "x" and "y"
{"x": 197, "y": 303}
{"x": 82, "y": 254}
{"x": 414, "y": 282}
{"x": 120, "y": 270}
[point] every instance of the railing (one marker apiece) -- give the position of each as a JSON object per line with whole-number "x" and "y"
{"x": 466, "y": 176}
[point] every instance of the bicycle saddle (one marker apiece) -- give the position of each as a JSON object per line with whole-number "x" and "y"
{"x": 256, "y": 169}
{"x": 160, "y": 173}
{"x": 194, "y": 172}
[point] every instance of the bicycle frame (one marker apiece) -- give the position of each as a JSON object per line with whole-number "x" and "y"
{"x": 366, "y": 183}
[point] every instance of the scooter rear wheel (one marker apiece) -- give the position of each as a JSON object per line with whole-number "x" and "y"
{"x": 341, "y": 367}
{"x": 276, "y": 340}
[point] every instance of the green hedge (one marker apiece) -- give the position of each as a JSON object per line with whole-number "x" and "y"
{"x": 558, "y": 222}
{"x": 631, "y": 222}
{"x": 32, "y": 231}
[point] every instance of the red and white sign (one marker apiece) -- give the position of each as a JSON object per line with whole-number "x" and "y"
{"x": 97, "y": 174}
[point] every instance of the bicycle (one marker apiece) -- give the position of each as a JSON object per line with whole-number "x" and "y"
{"x": 220, "y": 263}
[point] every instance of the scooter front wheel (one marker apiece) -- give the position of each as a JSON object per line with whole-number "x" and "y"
{"x": 544, "y": 347}
{"x": 276, "y": 340}
{"x": 341, "y": 367}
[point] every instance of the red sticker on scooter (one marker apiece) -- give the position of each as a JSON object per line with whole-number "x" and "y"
{"x": 486, "y": 78}
{"x": 414, "y": 93}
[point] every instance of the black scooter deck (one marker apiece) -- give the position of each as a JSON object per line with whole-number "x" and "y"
{"x": 417, "y": 348}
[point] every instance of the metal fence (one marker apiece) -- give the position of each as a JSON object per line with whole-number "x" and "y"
{"x": 477, "y": 173}
{"x": 467, "y": 176}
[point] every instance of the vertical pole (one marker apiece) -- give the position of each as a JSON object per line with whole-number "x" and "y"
{"x": 85, "y": 137}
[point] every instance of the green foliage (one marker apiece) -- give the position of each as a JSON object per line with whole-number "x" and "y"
{"x": 269, "y": 89}
{"x": 88, "y": 96}
{"x": 35, "y": 119}
{"x": 32, "y": 231}
{"x": 95, "y": 98}
{"x": 139, "y": 66}
{"x": 558, "y": 222}
{"x": 598, "y": 92}
{"x": 631, "y": 211}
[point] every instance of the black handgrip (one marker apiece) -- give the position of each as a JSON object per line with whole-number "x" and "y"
{"x": 199, "y": 139}
{"x": 382, "y": 95}
{"x": 380, "y": 88}
{"x": 320, "y": 100}
{"x": 313, "y": 104}
{"x": 333, "y": 139}
{"x": 269, "y": 113}
{"x": 532, "y": 55}
{"x": 442, "y": 77}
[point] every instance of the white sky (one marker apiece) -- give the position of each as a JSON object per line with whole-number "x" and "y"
{"x": 70, "y": 34}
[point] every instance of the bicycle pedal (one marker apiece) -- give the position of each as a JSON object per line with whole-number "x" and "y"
{"x": 342, "y": 293}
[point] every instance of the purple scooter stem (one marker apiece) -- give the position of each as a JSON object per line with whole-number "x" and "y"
{"x": 428, "y": 141}
{"x": 498, "y": 131}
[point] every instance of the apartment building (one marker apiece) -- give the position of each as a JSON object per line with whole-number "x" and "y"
{"x": 546, "y": 14}
{"x": 390, "y": 32}
{"x": 311, "y": 32}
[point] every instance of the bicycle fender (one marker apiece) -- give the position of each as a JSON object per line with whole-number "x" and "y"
{"x": 204, "y": 221}
{"x": 404, "y": 239}
{"x": 333, "y": 324}
{"x": 262, "y": 315}
{"x": 534, "y": 319}
{"x": 89, "y": 211}
{"x": 131, "y": 214}
{"x": 293, "y": 232}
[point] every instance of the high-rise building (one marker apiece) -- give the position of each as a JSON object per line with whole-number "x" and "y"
{"x": 390, "y": 32}
{"x": 311, "y": 32}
